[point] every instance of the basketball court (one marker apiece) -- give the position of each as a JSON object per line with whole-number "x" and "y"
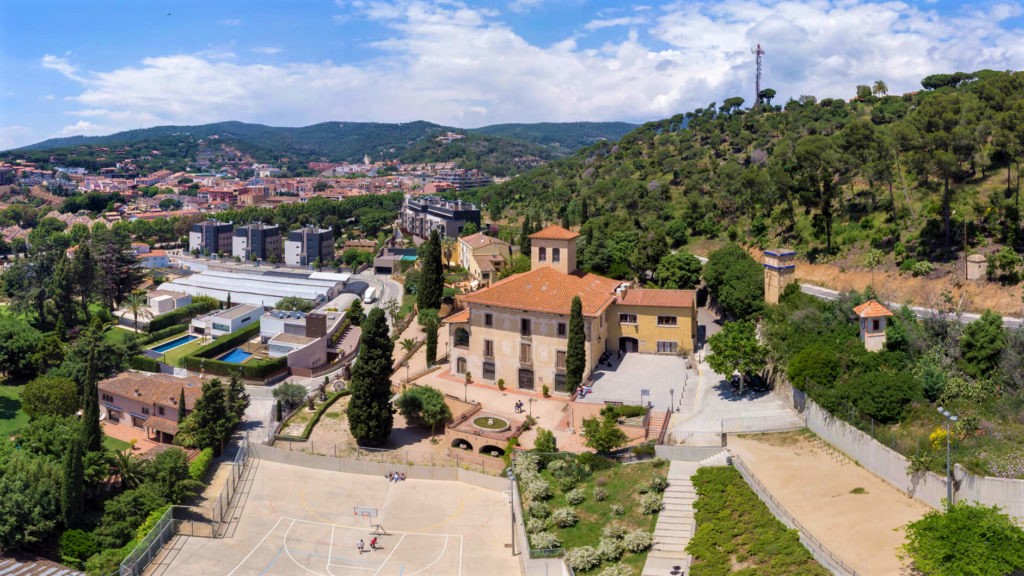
{"x": 301, "y": 521}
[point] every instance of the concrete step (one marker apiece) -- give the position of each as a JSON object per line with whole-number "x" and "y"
{"x": 675, "y": 522}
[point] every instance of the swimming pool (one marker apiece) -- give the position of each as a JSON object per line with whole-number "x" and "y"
{"x": 236, "y": 356}
{"x": 173, "y": 343}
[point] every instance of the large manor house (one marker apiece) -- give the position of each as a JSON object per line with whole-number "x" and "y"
{"x": 516, "y": 330}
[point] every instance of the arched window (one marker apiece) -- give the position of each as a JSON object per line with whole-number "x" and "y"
{"x": 461, "y": 338}
{"x": 460, "y": 366}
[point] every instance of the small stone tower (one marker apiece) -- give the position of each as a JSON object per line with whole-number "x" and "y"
{"x": 554, "y": 246}
{"x": 873, "y": 318}
{"x": 779, "y": 271}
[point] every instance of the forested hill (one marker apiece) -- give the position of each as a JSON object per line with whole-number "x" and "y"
{"x": 337, "y": 142}
{"x": 900, "y": 174}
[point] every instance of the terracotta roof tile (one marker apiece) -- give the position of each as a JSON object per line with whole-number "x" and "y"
{"x": 479, "y": 240}
{"x": 667, "y": 298}
{"x": 548, "y": 290}
{"x": 460, "y": 317}
{"x": 871, "y": 309}
{"x": 159, "y": 389}
{"x": 554, "y": 232}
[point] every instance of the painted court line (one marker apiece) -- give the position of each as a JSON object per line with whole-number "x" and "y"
{"x": 256, "y": 547}
{"x": 393, "y": 548}
{"x": 289, "y": 553}
{"x": 436, "y": 560}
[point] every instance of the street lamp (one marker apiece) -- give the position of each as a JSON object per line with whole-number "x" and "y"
{"x": 950, "y": 419}
{"x": 672, "y": 399}
{"x": 512, "y": 506}
{"x": 531, "y": 406}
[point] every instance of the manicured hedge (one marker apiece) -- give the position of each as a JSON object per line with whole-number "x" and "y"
{"x": 163, "y": 333}
{"x": 227, "y": 342}
{"x": 332, "y": 397}
{"x": 199, "y": 305}
{"x": 144, "y": 363}
{"x": 197, "y": 469}
{"x": 253, "y": 369}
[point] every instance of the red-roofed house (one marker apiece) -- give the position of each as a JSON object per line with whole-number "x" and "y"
{"x": 147, "y": 402}
{"x": 516, "y": 329}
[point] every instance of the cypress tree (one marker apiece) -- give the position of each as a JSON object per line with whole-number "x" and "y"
{"x": 576, "y": 353}
{"x": 237, "y": 398}
{"x": 92, "y": 434}
{"x": 72, "y": 485}
{"x": 431, "y": 327}
{"x": 431, "y": 286}
{"x": 211, "y": 416}
{"x": 181, "y": 406}
{"x": 370, "y": 417}
{"x": 524, "y": 237}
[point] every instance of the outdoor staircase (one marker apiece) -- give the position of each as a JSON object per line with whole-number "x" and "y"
{"x": 720, "y": 459}
{"x": 657, "y": 423}
{"x": 675, "y": 523}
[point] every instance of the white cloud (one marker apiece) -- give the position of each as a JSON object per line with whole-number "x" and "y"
{"x": 231, "y": 22}
{"x": 614, "y": 22}
{"x": 61, "y": 65}
{"x": 269, "y": 50}
{"x": 83, "y": 128}
{"x": 522, "y": 6}
{"x": 50, "y": 97}
{"x": 454, "y": 64}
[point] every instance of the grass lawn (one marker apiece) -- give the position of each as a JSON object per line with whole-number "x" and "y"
{"x": 174, "y": 354}
{"x": 737, "y": 532}
{"x": 117, "y": 335}
{"x": 12, "y": 418}
{"x": 622, "y": 483}
{"x": 114, "y": 445}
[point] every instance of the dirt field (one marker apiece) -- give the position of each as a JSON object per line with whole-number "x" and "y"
{"x": 818, "y": 486}
{"x": 298, "y": 520}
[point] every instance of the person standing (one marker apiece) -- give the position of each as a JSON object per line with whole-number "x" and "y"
{"x": 373, "y": 543}
{"x": 360, "y": 546}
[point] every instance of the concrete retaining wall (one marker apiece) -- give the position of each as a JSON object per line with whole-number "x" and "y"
{"x": 927, "y": 487}
{"x": 379, "y": 468}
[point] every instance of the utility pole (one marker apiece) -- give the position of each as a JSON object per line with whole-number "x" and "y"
{"x": 757, "y": 79}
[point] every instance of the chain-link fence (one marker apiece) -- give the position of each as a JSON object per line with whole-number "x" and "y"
{"x": 139, "y": 558}
{"x": 769, "y": 423}
{"x": 435, "y": 455}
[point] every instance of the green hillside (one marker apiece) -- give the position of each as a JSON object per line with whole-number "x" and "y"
{"x": 906, "y": 175}
{"x": 495, "y": 149}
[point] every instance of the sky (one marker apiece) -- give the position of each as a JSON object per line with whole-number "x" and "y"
{"x": 70, "y": 67}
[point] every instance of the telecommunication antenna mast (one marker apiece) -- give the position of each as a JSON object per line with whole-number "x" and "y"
{"x": 757, "y": 82}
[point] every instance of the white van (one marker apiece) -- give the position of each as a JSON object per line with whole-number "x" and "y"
{"x": 368, "y": 295}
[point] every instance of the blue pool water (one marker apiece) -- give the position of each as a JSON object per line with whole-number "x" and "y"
{"x": 173, "y": 343}
{"x": 236, "y": 356}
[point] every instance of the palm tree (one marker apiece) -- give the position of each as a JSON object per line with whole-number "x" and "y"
{"x": 448, "y": 250}
{"x": 137, "y": 305}
{"x": 880, "y": 89}
{"x": 129, "y": 468}
{"x": 407, "y": 345}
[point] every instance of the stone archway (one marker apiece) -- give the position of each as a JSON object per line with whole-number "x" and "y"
{"x": 492, "y": 450}
{"x": 462, "y": 444}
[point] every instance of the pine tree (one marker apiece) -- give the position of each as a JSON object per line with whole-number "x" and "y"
{"x": 355, "y": 312}
{"x": 431, "y": 286}
{"x": 181, "y": 406}
{"x": 370, "y": 416}
{"x": 85, "y": 274}
{"x": 92, "y": 434}
{"x": 576, "y": 353}
{"x": 72, "y": 486}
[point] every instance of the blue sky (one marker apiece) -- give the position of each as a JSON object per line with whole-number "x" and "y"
{"x": 99, "y": 66}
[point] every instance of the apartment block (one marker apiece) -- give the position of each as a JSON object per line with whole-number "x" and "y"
{"x": 309, "y": 245}
{"x": 257, "y": 242}
{"x": 210, "y": 237}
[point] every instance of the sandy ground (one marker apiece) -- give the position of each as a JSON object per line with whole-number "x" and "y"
{"x": 298, "y": 520}
{"x": 814, "y": 481}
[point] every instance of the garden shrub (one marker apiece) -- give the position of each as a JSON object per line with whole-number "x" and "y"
{"x": 967, "y": 539}
{"x": 534, "y": 525}
{"x": 922, "y": 268}
{"x": 618, "y": 509}
{"x": 650, "y": 503}
{"x": 583, "y": 558}
{"x": 537, "y": 488}
{"x": 544, "y": 541}
{"x": 539, "y": 510}
{"x": 576, "y": 496}
{"x": 610, "y": 549}
{"x": 526, "y": 464}
{"x": 564, "y": 517}
{"x": 657, "y": 485}
{"x": 645, "y": 450}
{"x": 197, "y": 469}
{"x": 594, "y": 462}
{"x": 613, "y": 530}
{"x": 616, "y": 570}
{"x": 76, "y": 546}
{"x": 600, "y": 494}
{"x": 557, "y": 468}
{"x": 637, "y": 540}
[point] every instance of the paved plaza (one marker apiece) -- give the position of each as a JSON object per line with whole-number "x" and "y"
{"x": 296, "y": 520}
{"x": 663, "y": 377}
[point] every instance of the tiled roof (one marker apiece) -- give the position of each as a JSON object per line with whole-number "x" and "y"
{"x": 460, "y": 317}
{"x": 159, "y": 389}
{"x": 479, "y": 240}
{"x": 548, "y": 290}
{"x": 667, "y": 298}
{"x": 485, "y": 263}
{"x": 163, "y": 424}
{"x": 871, "y": 309}
{"x": 554, "y": 232}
